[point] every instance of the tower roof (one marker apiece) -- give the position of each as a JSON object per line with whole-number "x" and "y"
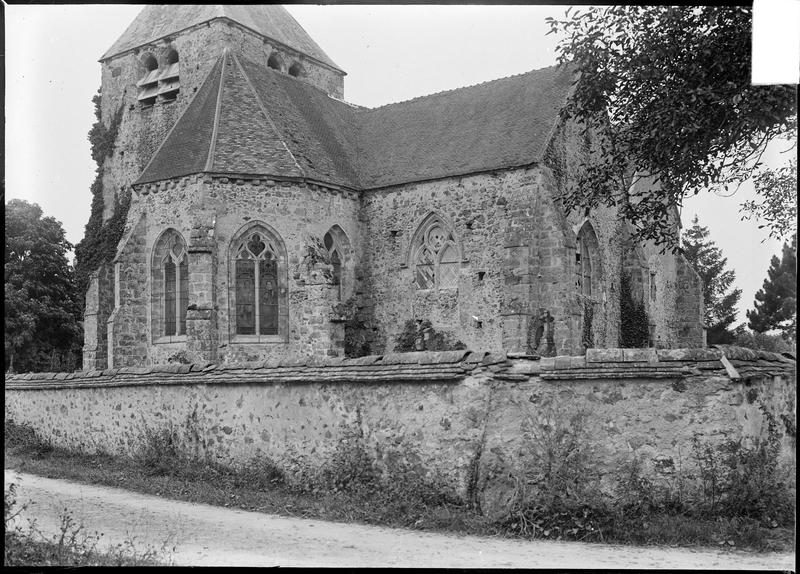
{"x": 271, "y": 21}
{"x": 250, "y": 120}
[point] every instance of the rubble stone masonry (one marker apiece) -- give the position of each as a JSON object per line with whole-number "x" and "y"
{"x": 470, "y": 417}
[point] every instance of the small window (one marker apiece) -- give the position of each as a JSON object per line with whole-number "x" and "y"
{"x": 275, "y": 62}
{"x": 148, "y": 85}
{"x": 338, "y": 246}
{"x": 296, "y": 70}
{"x": 169, "y": 80}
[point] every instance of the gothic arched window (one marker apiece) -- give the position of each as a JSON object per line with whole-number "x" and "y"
{"x": 334, "y": 250}
{"x": 170, "y": 286}
{"x": 435, "y": 256}
{"x": 258, "y": 278}
{"x": 256, "y": 286}
{"x": 585, "y": 254}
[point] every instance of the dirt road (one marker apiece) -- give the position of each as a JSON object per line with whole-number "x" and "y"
{"x": 213, "y": 536}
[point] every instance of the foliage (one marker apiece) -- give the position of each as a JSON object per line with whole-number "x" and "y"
{"x": 777, "y": 204}
{"x": 667, "y": 91}
{"x": 71, "y": 546}
{"x": 419, "y": 335}
{"x": 588, "y": 317}
{"x": 557, "y": 492}
{"x": 100, "y": 240}
{"x": 720, "y": 303}
{"x": 762, "y": 341}
{"x": 776, "y": 301}
{"x": 403, "y": 493}
{"x": 356, "y": 343}
{"x": 42, "y": 329}
{"x": 746, "y": 482}
{"x": 634, "y": 329}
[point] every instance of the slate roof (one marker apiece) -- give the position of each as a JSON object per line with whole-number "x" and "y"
{"x": 269, "y": 20}
{"x": 269, "y": 123}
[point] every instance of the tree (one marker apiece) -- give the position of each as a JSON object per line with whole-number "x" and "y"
{"x": 720, "y": 303}
{"x": 42, "y": 330}
{"x": 777, "y": 207}
{"x": 667, "y": 91}
{"x": 776, "y": 301}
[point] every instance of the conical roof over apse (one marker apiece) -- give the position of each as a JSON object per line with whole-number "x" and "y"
{"x": 250, "y": 120}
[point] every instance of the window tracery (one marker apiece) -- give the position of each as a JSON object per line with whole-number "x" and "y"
{"x": 256, "y": 285}
{"x": 170, "y": 285}
{"x": 435, "y": 257}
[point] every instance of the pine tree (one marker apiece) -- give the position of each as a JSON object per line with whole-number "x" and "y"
{"x": 720, "y": 303}
{"x": 776, "y": 302}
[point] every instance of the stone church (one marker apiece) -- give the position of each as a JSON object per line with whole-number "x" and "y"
{"x": 267, "y": 213}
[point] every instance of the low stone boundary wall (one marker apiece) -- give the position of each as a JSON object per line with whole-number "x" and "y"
{"x": 473, "y": 418}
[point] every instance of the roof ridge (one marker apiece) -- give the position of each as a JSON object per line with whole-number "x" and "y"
{"x": 451, "y": 90}
{"x": 263, "y": 109}
{"x": 178, "y": 119}
{"x": 212, "y": 147}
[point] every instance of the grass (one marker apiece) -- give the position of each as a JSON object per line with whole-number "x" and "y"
{"x": 346, "y": 490}
{"x": 73, "y": 545}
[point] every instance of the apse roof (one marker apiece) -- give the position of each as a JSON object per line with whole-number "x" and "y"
{"x": 262, "y": 122}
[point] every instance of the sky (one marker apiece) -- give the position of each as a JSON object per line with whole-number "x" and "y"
{"x": 391, "y": 54}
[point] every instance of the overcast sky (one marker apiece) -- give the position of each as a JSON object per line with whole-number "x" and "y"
{"x": 391, "y": 54}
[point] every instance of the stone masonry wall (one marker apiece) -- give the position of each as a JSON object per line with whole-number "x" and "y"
{"x": 474, "y": 419}
{"x": 211, "y": 211}
{"x": 483, "y": 211}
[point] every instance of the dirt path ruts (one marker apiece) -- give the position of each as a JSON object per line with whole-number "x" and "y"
{"x": 212, "y": 536}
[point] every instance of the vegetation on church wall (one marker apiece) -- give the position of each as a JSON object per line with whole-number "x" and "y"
{"x": 419, "y": 335}
{"x": 634, "y": 329}
{"x": 100, "y": 240}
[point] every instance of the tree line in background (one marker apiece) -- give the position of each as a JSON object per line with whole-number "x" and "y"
{"x": 775, "y": 306}
{"x": 43, "y": 330}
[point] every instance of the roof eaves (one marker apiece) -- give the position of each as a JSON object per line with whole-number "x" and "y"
{"x": 451, "y": 175}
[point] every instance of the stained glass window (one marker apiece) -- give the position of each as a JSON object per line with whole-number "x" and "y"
{"x": 257, "y": 290}
{"x": 173, "y": 276}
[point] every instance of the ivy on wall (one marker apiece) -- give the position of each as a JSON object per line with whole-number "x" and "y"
{"x": 100, "y": 240}
{"x": 634, "y": 323}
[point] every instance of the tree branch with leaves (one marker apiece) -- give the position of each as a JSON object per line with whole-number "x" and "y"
{"x": 667, "y": 91}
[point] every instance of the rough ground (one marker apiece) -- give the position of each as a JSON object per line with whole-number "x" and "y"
{"x": 212, "y": 536}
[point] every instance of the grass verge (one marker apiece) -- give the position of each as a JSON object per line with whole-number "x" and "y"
{"x": 346, "y": 492}
{"x": 73, "y": 545}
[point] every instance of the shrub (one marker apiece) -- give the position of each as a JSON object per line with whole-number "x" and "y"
{"x": 24, "y": 437}
{"x": 420, "y": 333}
